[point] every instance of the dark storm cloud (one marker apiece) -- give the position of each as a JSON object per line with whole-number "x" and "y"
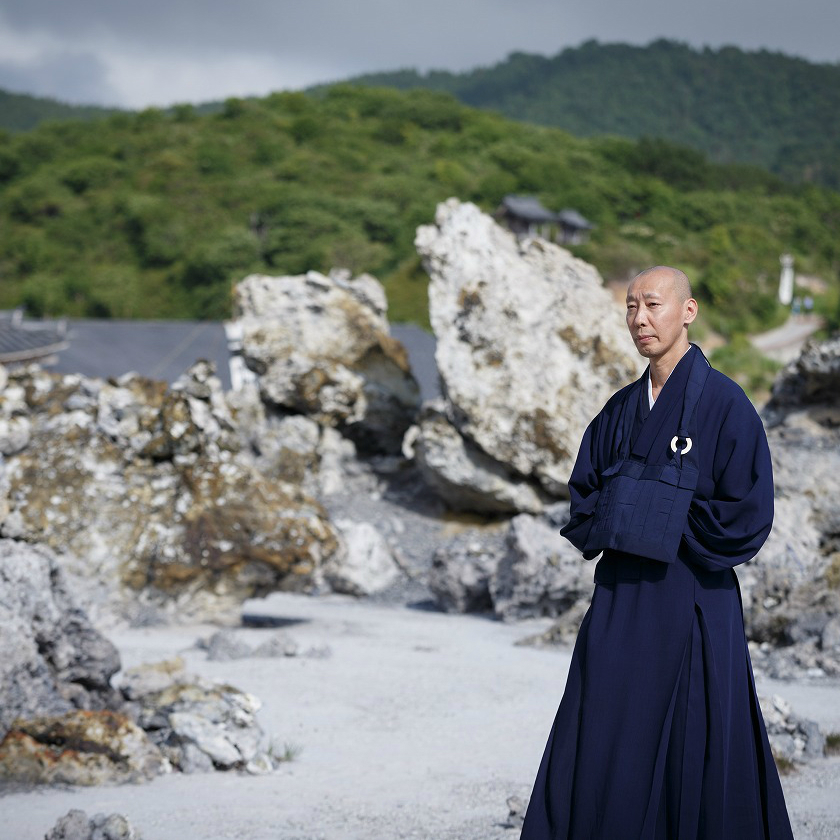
{"x": 266, "y": 44}
{"x": 369, "y": 33}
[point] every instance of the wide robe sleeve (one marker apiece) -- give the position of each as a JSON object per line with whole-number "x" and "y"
{"x": 732, "y": 511}
{"x": 584, "y": 489}
{"x": 601, "y": 438}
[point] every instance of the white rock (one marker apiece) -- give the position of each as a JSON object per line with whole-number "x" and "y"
{"x": 465, "y": 476}
{"x": 541, "y": 574}
{"x": 529, "y": 343}
{"x": 321, "y": 346}
{"x": 368, "y": 565}
{"x": 14, "y": 434}
{"x": 206, "y": 736}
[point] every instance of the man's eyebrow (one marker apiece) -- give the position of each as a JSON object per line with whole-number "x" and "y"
{"x": 645, "y": 295}
{"x": 650, "y": 294}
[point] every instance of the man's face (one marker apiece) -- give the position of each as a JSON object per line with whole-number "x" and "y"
{"x": 655, "y": 314}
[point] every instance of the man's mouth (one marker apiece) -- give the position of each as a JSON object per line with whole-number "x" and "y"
{"x": 644, "y": 338}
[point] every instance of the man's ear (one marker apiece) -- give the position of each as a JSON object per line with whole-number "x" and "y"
{"x": 690, "y": 311}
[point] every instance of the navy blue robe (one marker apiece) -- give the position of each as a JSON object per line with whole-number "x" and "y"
{"x": 659, "y": 733}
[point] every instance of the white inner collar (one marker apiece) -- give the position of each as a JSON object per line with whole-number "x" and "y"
{"x": 651, "y": 400}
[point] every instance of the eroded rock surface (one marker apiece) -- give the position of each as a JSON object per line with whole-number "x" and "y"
{"x": 52, "y": 660}
{"x": 150, "y": 498}
{"x": 198, "y": 725}
{"x": 529, "y": 347}
{"x": 792, "y": 590}
{"x": 368, "y": 565}
{"x": 533, "y": 572}
{"x": 464, "y": 476}
{"x": 321, "y": 347}
{"x": 79, "y": 748}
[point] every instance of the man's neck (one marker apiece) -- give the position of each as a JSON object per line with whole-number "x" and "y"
{"x": 660, "y": 369}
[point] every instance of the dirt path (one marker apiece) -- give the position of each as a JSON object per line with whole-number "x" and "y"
{"x": 784, "y": 343}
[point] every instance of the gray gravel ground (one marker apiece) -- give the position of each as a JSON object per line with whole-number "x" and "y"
{"x": 410, "y": 723}
{"x": 416, "y": 725}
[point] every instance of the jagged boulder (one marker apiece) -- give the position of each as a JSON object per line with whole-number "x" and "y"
{"x": 532, "y": 571}
{"x": 320, "y": 346}
{"x": 79, "y": 748}
{"x": 462, "y": 572}
{"x": 541, "y": 574}
{"x": 529, "y": 347}
{"x": 812, "y": 379}
{"x": 794, "y": 740}
{"x": 199, "y": 726}
{"x": 52, "y": 660}
{"x": 147, "y": 493}
{"x": 464, "y": 476}
{"x": 293, "y": 448}
{"x": 792, "y": 590}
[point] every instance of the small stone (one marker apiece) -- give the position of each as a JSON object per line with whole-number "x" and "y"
{"x": 260, "y": 765}
{"x": 152, "y": 678}
{"x": 225, "y": 645}
{"x": 75, "y": 825}
{"x": 279, "y": 644}
{"x": 516, "y": 811}
{"x": 368, "y": 565}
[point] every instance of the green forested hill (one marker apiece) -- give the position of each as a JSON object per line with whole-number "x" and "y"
{"x": 21, "y": 112}
{"x": 158, "y": 214}
{"x": 764, "y": 108}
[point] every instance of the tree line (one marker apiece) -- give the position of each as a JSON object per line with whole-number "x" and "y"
{"x": 766, "y": 108}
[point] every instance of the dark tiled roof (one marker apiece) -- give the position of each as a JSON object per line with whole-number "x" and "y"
{"x": 571, "y": 218}
{"x": 527, "y": 207}
{"x": 157, "y": 349}
{"x": 165, "y": 349}
{"x": 20, "y": 342}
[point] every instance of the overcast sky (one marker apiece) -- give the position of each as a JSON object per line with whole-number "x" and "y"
{"x": 156, "y": 52}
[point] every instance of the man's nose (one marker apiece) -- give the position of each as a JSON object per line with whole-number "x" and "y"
{"x": 640, "y": 316}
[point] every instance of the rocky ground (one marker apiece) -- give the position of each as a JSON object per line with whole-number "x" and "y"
{"x": 407, "y": 724}
{"x": 401, "y": 721}
{"x": 347, "y": 704}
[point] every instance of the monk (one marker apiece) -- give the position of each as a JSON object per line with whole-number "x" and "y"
{"x": 659, "y": 735}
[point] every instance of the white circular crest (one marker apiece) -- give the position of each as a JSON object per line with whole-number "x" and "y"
{"x": 687, "y": 445}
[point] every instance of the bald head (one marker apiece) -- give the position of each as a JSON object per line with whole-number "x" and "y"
{"x": 659, "y": 310}
{"x": 682, "y": 285}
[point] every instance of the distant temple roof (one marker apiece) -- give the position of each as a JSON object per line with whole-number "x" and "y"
{"x": 573, "y": 219}
{"x": 528, "y": 208}
{"x": 28, "y": 342}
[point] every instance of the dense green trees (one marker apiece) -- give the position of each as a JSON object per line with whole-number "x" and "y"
{"x": 763, "y": 108}
{"x": 157, "y": 214}
{"x": 20, "y": 112}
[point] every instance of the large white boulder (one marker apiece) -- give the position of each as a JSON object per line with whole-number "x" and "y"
{"x": 529, "y": 343}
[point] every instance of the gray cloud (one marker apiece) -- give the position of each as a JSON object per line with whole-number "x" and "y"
{"x": 258, "y": 45}
{"x": 73, "y": 77}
